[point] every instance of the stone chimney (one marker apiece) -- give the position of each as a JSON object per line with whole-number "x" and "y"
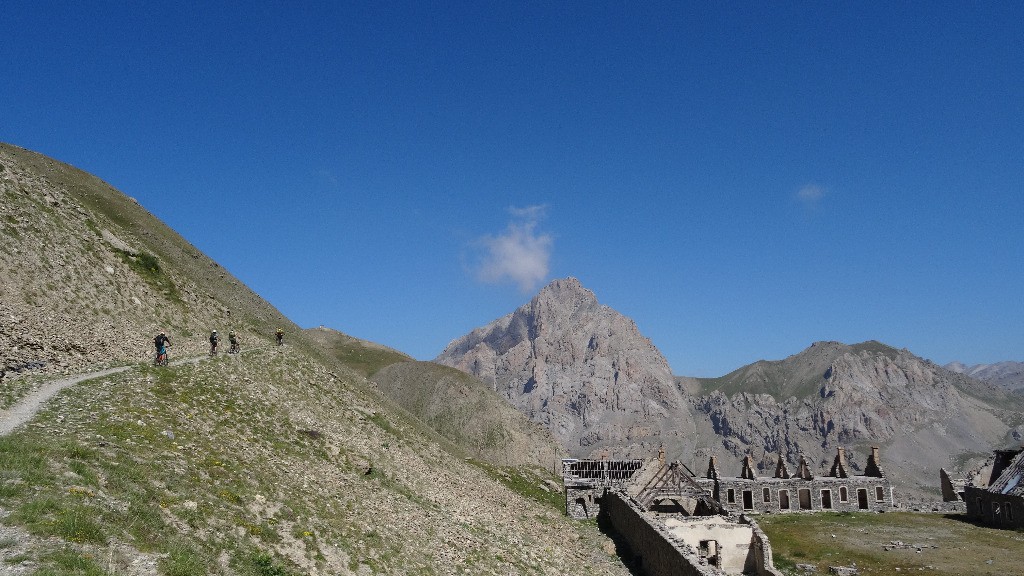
{"x": 839, "y": 465}
{"x": 780, "y": 469}
{"x": 803, "y": 471}
{"x": 748, "y": 468}
{"x": 713, "y": 468}
{"x": 874, "y": 467}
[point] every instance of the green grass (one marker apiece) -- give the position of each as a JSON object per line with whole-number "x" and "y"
{"x": 364, "y": 359}
{"x": 527, "y": 482}
{"x": 14, "y": 388}
{"x": 769, "y": 378}
{"x": 949, "y": 544}
{"x": 148, "y": 268}
{"x": 230, "y": 458}
{"x": 69, "y": 562}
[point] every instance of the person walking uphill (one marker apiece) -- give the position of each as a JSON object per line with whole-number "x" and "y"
{"x": 280, "y": 337}
{"x": 161, "y": 342}
{"x": 214, "y": 340}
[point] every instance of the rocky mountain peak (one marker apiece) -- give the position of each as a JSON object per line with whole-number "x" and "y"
{"x": 568, "y": 293}
{"x": 578, "y": 367}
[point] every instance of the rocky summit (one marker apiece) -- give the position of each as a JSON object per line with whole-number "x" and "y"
{"x": 581, "y": 369}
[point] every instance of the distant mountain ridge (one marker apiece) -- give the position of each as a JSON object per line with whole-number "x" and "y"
{"x": 1008, "y": 374}
{"x": 582, "y": 370}
{"x": 833, "y": 394}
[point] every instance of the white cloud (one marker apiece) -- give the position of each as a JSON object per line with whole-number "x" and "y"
{"x": 810, "y": 194}
{"x": 521, "y": 254}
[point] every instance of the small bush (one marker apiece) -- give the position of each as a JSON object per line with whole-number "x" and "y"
{"x": 78, "y": 524}
{"x": 262, "y": 564}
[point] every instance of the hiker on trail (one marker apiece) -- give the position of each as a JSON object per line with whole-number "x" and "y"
{"x": 280, "y": 337}
{"x": 233, "y": 339}
{"x": 161, "y": 342}
{"x": 214, "y": 339}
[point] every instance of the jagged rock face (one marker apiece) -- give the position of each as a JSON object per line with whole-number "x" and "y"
{"x": 581, "y": 369}
{"x": 861, "y": 395}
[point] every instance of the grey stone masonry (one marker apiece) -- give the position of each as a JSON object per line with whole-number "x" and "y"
{"x": 586, "y": 482}
{"x": 1001, "y": 502}
{"x": 839, "y": 491}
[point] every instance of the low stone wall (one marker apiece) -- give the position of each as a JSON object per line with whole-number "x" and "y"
{"x": 656, "y": 550}
{"x": 763, "y": 557}
{"x": 955, "y": 507}
{"x": 582, "y": 503}
{"x": 660, "y": 553}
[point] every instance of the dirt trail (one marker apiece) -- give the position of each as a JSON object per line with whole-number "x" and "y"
{"x": 23, "y": 411}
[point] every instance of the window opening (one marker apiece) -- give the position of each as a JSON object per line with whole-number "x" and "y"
{"x": 805, "y": 498}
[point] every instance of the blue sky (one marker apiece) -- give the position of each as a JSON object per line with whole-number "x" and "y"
{"x": 741, "y": 179}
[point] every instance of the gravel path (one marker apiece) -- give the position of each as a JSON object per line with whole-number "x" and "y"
{"x": 26, "y": 408}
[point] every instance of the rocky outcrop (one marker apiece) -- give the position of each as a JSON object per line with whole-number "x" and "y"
{"x": 581, "y": 369}
{"x": 834, "y": 395}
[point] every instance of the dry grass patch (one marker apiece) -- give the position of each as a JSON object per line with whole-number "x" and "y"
{"x": 932, "y": 543}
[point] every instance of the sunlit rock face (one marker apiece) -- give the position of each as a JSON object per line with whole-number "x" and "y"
{"x": 581, "y": 369}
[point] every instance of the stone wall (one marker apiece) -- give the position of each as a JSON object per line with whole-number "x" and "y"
{"x": 999, "y": 510}
{"x": 764, "y": 560}
{"x": 852, "y": 494}
{"x": 656, "y": 551}
{"x": 664, "y": 551}
{"x": 583, "y": 503}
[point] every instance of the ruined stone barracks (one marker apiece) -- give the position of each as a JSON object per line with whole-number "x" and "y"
{"x": 670, "y": 489}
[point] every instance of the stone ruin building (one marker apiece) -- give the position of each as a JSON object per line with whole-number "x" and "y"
{"x": 677, "y": 523}
{"x": 999, "y": 501}
{"x": 840, "y": 491}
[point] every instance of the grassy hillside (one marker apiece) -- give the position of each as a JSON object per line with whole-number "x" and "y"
{"x": 466, "y": 411}
{"x": 364, "y": 357}
{"x": 265, "y": 464}
{"x": 89, "y": 276}
{"x": 276, "y": 461}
